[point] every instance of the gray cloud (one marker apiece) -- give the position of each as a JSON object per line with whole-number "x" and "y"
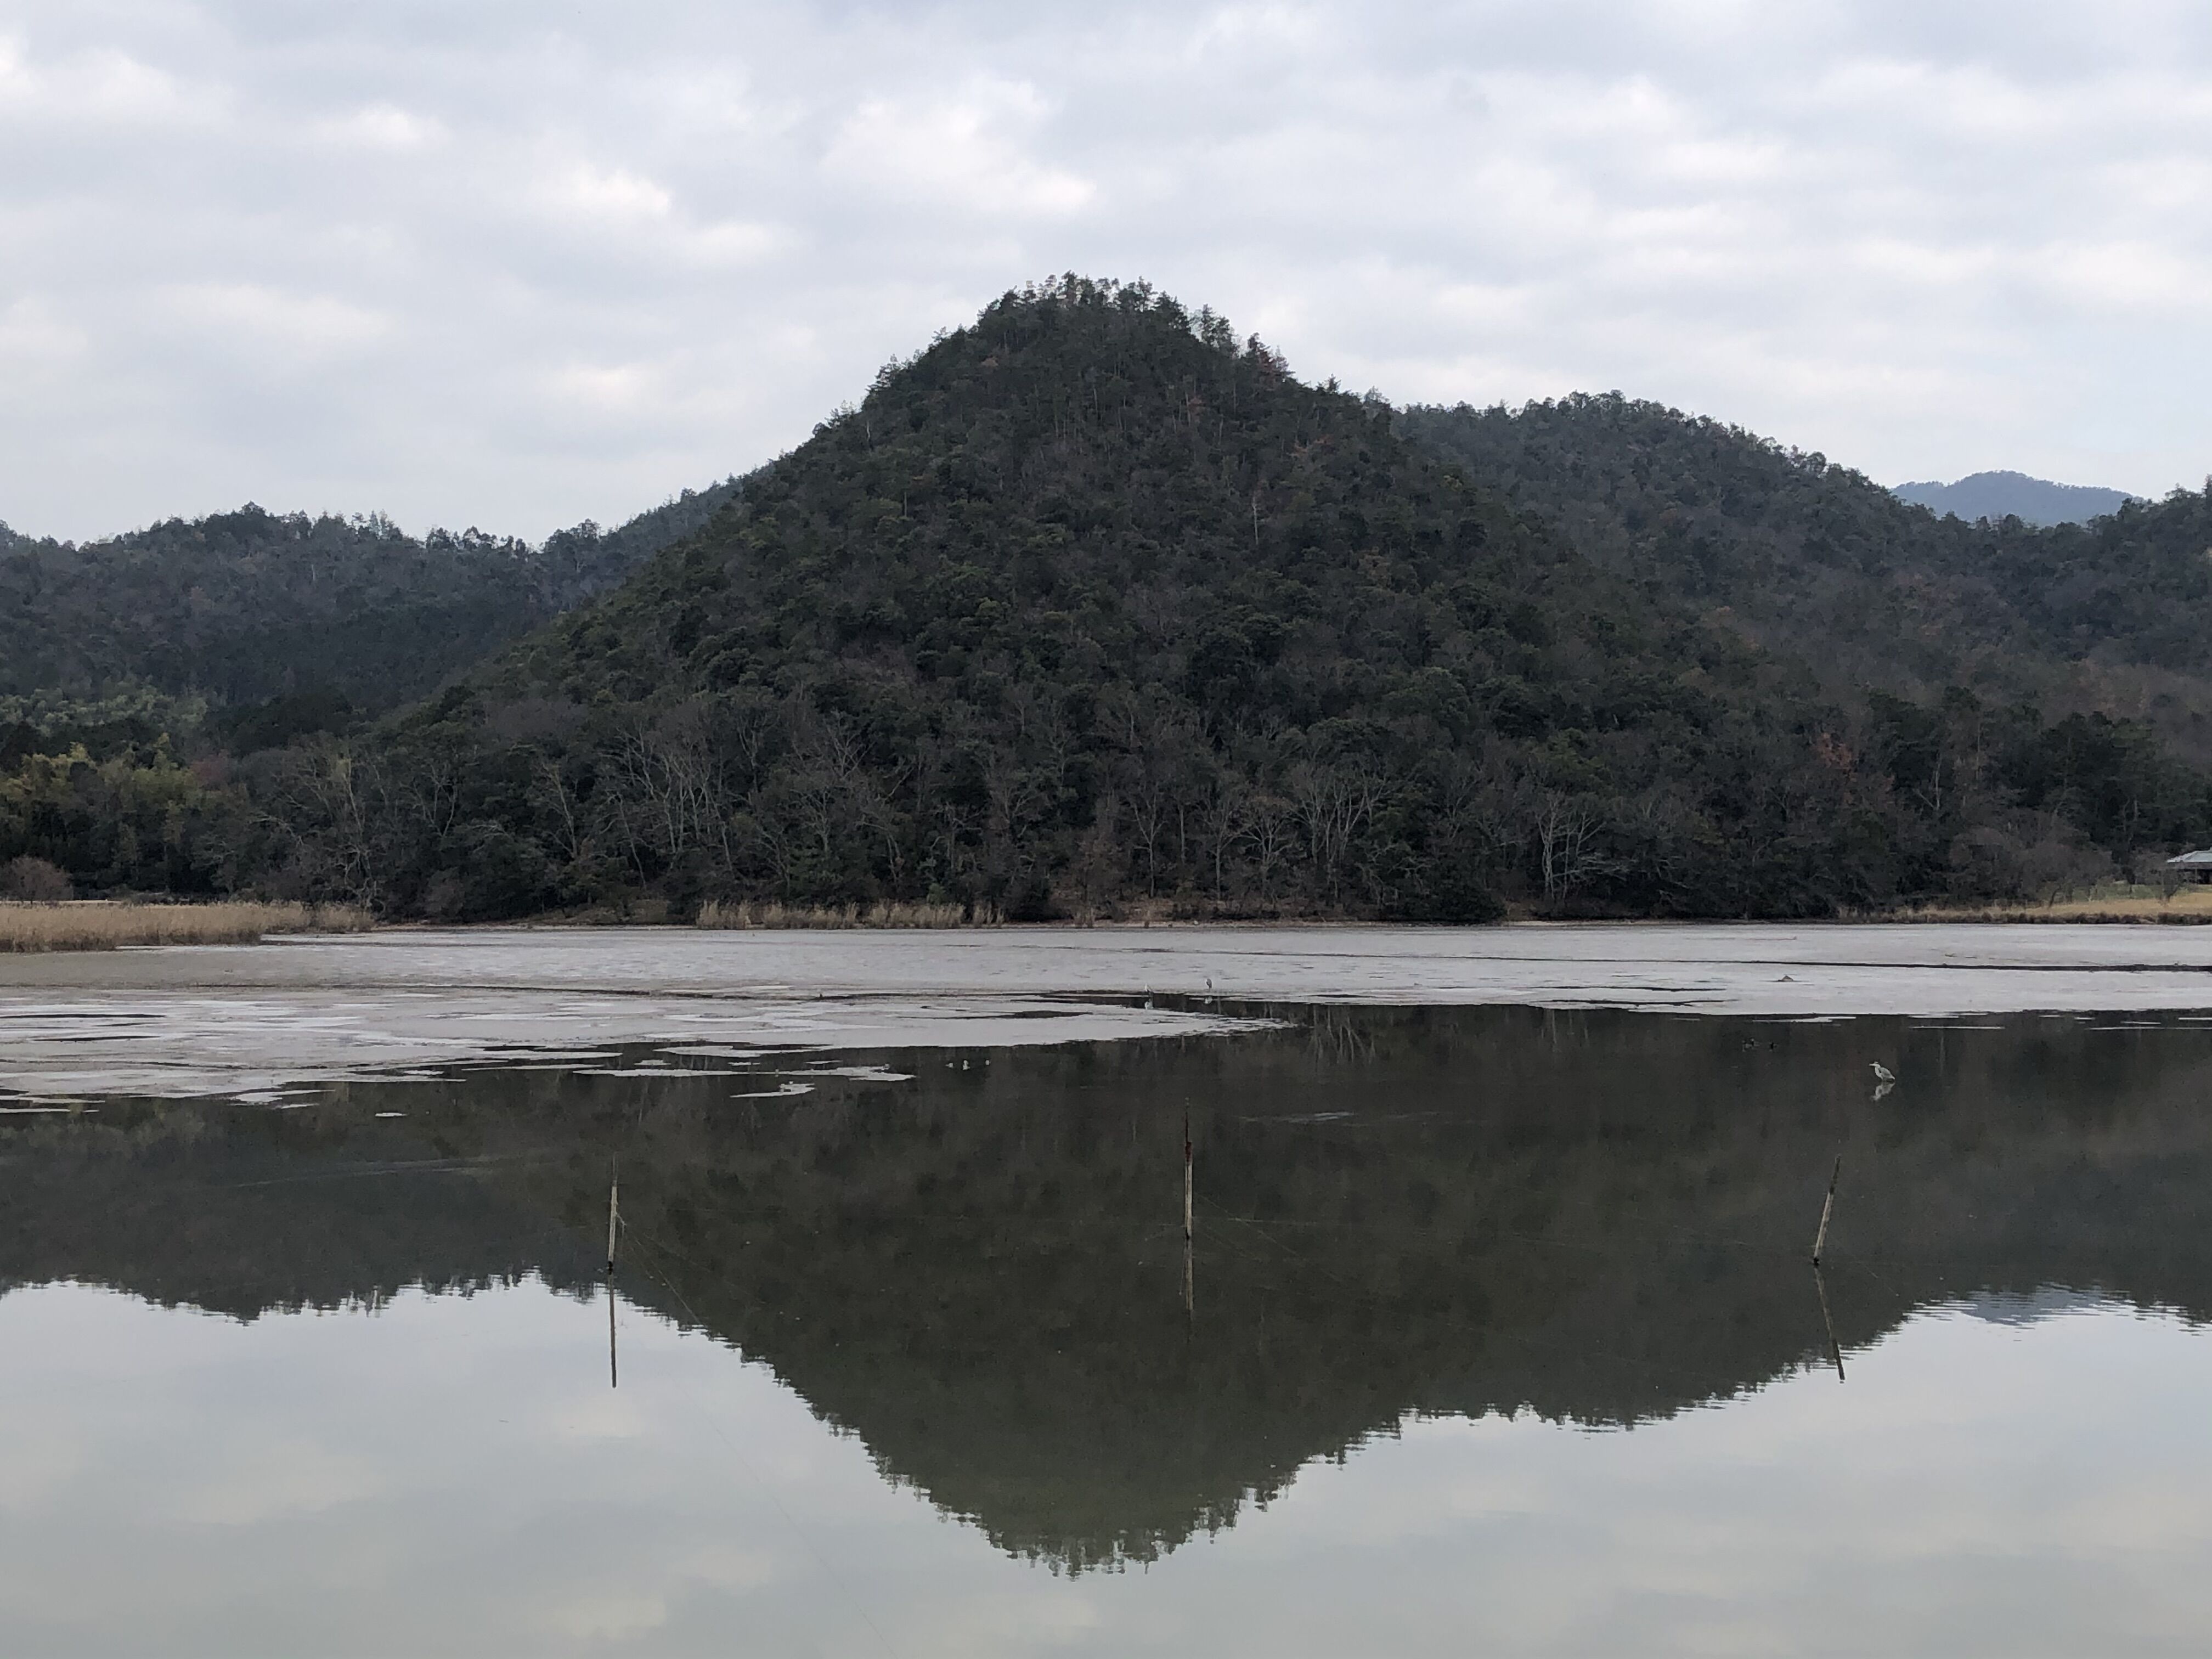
{"x": 501, "y": 264}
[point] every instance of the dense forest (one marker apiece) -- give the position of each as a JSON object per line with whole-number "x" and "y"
{"x": 133, "y": 669}
{"x": 1816, "y": 562}
{"x": 1093, "y": 609}
{"x": 248, "y": 609}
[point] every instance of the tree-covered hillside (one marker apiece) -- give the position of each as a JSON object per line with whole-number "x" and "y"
{"x": 244, "y": 608}
{"x": 1818, "y": 562}
{"x": 1091, "y": 608}
{"x": 1090, "y": 605}
{"x": 133, "y": 670}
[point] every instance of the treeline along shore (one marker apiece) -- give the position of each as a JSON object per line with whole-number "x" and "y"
{"x": 1092, "y": 610}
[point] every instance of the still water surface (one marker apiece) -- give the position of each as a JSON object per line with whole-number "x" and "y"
{"x": 1500, "y": 1337}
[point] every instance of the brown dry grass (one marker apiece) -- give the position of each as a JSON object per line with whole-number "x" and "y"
{"x": 2140, "y": 905}
{"x": 98, "y": 926}
{"x": 714, "y": 914}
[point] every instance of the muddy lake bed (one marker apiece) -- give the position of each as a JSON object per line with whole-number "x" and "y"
{"x": 1497, "y": 1332}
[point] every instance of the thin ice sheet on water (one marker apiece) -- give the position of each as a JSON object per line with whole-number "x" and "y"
{"x": 149, "y": 1042}
{"x": 663, "y": 1071}
{"x": 214, "y": 1020}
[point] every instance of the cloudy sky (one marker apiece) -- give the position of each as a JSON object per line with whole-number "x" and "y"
{"x": 514, "y": 264}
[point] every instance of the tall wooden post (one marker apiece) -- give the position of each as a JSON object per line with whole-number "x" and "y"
{"x": 1190, "y": 1231}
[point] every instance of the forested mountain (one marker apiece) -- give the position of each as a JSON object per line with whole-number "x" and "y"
{"x": 1995, "y": 495}
{"x": 1818, "y": 563}
{"x": 1089, "y": 607}
{"x": 242, "y": 608}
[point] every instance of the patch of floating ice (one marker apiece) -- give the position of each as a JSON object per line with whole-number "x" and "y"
{"x": 175, "y": 1042}
{"x": 650, "y": 1070}
{"x": 781, "y": 1089}
{"x": 508, "y": 1057}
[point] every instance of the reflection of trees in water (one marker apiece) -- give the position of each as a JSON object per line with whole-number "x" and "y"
{"x": 1335, "y": 1036}
{"x": 1592, "y": 1216}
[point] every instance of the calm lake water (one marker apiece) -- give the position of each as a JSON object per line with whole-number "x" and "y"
{"x": 1500, "y": 1335}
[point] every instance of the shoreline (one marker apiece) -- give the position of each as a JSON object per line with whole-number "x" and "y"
{"x": 39, "y": 927}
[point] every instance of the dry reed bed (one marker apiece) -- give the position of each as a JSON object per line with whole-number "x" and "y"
{"x": 2184, "y": 906}
{"x": 105, "y": 926}
{"x": 2038, "y": 915}
{"x": 714, "y": 914}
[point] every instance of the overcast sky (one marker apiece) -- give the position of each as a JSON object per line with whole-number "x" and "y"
{"x": 516, "y": 264}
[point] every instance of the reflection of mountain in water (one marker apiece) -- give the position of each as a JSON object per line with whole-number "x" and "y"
{"x": 2031, "y": 1307}
{"x": 1603, "y": 1217}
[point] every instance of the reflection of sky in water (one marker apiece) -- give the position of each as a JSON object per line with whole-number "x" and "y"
{"x": 451, "y": 1475}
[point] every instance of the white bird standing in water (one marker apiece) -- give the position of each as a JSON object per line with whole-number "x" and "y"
{"x": 1882, "y": 1072}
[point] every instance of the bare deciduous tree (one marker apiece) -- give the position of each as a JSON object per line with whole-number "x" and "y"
{"x": 1567, "y": 830}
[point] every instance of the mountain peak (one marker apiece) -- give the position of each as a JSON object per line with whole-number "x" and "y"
{"x": 2000, "y": 495}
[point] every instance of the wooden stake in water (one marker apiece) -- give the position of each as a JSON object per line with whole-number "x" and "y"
{"x": 1820, "y": 1238}
{"x": 613, "y": 1380}
{"x": 1189, "y": 1231}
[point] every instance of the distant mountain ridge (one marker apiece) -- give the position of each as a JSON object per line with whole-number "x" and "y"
{"x": 2002, "y": 494}
{"x": 1820, "y": 564}
{"x": 242, "y": 608}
